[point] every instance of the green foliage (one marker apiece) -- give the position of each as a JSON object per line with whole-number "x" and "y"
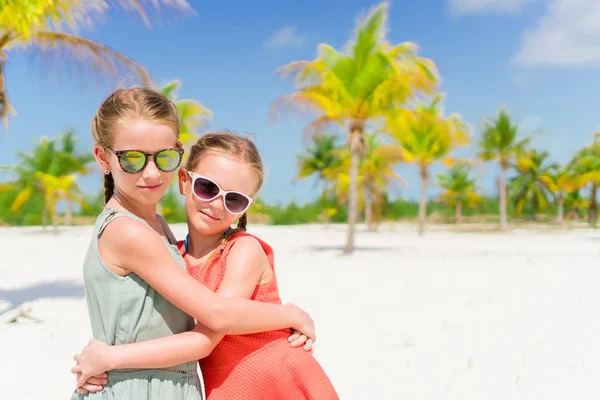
{"x": 173, "y": 209}
{"x": 94, "y": 204}
{"x": 312, "y": 212}
{"x": 30, "y": 214}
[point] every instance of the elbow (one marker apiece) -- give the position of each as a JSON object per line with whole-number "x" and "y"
{"x": 220, "y": 320}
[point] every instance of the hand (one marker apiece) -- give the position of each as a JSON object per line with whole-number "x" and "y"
{"x": 95, "y": 359}
{"x": 304, "y": 322}
{"x": 93, "y": 384}
{"x": 298, "y": 339}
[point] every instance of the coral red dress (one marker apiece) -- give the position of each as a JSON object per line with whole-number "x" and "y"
{"x": 262, "y": 365}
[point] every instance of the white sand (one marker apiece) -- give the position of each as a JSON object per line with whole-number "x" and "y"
{"x": 447, "y": 316}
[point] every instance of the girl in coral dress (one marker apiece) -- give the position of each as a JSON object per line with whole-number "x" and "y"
{"x": 222, "y": 174}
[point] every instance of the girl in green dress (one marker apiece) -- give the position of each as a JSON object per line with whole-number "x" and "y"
{"x": 136, "y": 285}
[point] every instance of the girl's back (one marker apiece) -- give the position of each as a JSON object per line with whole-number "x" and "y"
{"x": 125, "y": 309}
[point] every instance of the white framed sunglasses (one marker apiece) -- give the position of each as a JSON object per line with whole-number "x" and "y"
{"x": 206, "y": 189}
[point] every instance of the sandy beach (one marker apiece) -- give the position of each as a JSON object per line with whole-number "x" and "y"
{"x": 447, "y": 316}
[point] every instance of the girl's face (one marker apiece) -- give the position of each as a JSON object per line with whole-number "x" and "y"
{"x": 147, "y": 186}
{"x": 211, "y": 217}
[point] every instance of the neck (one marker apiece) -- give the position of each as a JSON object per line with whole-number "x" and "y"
{"x": 200, "y": 245}
{"x": 142, "y": 211}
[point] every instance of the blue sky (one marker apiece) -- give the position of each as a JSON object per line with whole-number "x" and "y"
{"x": 539, "y": 58}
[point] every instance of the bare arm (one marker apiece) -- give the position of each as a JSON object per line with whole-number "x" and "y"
{"x": 137, "y": 248}
{"x": 245, "y": 265}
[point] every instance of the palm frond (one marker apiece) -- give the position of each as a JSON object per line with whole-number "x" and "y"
{"x": 59, "y": 48}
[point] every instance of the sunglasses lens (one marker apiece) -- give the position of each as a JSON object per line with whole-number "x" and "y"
{"x": 205, "y": 189}
{"x": 235, "y": 202}
{"x": 168, "y": 160}
{"x": 132, "y": 161}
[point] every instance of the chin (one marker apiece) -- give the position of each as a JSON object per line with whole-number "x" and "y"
{"x": 150, "y": 199}
{"x": 200, "y": 225}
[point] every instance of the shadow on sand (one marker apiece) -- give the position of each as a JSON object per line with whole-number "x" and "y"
{"x": 341, "y": 248}
{"x": 50, "y": 289}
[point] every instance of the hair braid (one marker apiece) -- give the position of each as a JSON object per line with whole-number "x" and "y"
{"x": 109, "y": 187}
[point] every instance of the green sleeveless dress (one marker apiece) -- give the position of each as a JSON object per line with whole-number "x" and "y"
{"x": 125, "y": 309}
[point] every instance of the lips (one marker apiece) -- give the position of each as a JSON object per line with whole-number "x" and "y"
{"x": 150, "y": 187}
{"x": 212, "y": 217}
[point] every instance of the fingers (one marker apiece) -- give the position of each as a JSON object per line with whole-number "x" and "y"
{"x": 295, "y": 335}
{"x": 82, "y": 391}
{"x": 76, "y": 369}
{"x": 300, "y": 341}
{"x": 76, "y": 357}
{"x": 96, "y": 381}
{"x": 82, "y": 379}
{"x": 91, "y": 388}
{"x": 308, "y": 346}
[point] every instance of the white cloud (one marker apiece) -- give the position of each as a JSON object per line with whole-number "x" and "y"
{"x": 285, "y": 37}
{"x": 463, "y": 7}
{"x": 567, "y": 35}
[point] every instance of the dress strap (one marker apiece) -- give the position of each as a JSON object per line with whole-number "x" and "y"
{"x": 114, "y": 213}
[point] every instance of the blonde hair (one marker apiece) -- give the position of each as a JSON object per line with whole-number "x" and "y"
{"x": 241, "y": 148}
{"x": 123, "y": 104}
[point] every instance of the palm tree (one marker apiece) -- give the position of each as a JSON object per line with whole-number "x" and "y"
{"x": 460, "y": 188}
{"x": 58, "y": 188}
{"x": 355, "y": 87}
{"x": 529, "y": 185}
{"x": 376, "y": 174}
{"x": 560, "y": 183}
{"x": 321, "y": 158}
{"x": 70, "y": 162}
{"x": 48, "y": 159}
{"x": 426, "y": 136}
{"x": 41, "y": 159}
{"x": 44, "y": 26}
{"x": 575, "y": 204}
{"x": 585, "y": 167}
{"x": 499, "y": 142}
{"x": 193, "y": 116}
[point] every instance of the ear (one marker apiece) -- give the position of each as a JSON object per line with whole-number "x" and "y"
{"x": 101, "y": 157}
{"x": 183, "y": 178}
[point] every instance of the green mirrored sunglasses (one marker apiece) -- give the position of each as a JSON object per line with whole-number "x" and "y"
{"x": 134, "y": 161}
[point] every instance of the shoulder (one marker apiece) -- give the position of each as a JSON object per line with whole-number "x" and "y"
{"x": 247, "y": 245}
{"x": 130, "y": 235}
{"x": 247, "y": 249}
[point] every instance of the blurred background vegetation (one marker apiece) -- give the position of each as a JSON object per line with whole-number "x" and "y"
{"x": 377, "y": 107}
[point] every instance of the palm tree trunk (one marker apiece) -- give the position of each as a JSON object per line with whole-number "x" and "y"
{"x": 54, "y": 218}
{"x": 592, "y": 216}
{"x": 458, "y": 211}
{"x": 423, "y": 200}
{"x": 44, "y": 214}
{"x": 502, "y": 190}
{"x": 69, "y": 212}
{"x": 355, "y": 150}
{"x": 561, "y": 211}
{"x": 4, "y": 104}
{"x": 369, "y": 209}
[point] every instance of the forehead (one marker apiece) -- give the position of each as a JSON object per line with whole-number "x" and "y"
{"x": 136, "y": 134}
{"x": 229, "y": 172}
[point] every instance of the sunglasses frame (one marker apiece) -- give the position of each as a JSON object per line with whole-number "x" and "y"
{"x": 194, "y": 176}
{"x": 147, "y": 158}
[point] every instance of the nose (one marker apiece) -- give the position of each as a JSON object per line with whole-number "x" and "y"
{"x": 218, "y": 202}
{"x": 151, "y": 171}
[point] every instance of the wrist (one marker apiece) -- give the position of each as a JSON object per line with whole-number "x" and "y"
{"x": 291, "y": 316}
{"x": 113, "y": 361}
